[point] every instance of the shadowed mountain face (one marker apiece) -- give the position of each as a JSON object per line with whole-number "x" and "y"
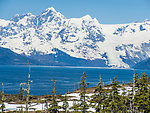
{"x": 143, "y": 64}
{"x": 52, "y": 39}
{"x": 7, "y": 57}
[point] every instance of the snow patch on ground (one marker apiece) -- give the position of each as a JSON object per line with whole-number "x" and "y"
{"x": 71, "y": 100}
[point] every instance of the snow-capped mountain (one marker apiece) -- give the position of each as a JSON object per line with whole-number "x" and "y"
{"x": 51, "y": 33}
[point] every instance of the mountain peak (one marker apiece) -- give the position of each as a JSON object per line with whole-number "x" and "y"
{"x": 48, "y": 11}
{"x": 28, "y": 14}
{"x": 96, "y": 21}
{"x": 51, "y": 8}
{"x": 51, "y": 12}
{"x": 87, "y": 17}
{"x": 146, "y": 20}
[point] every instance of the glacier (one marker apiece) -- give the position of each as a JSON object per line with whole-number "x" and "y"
{"x": 48, "y": 35}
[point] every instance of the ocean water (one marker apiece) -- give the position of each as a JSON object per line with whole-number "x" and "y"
{"x": 67, "y": 78}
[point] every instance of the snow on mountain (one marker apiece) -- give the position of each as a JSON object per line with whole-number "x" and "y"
{"x": 120, "y": 45}
{"x": 3, "y": 23}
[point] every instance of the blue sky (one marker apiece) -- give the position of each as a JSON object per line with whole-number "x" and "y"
{"x": 106, "y": 11}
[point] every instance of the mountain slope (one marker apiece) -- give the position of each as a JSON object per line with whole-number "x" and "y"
{"x": 120, "y": 46}
{"x": 7, "y": 57}
{"x": 143, "y": 64}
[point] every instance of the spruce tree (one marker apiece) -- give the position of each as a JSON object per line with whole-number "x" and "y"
{"x": 142, "y": 96}
{"x": 21, "y": 94}
{"x": 0, "y": 96}
{"x": 135, "y": 79}
{"x": 27, "y": 89}
{"x": 54, "y": 105}
{"x": 65, "y": 104}
{"x": 123, "y": 98}
{"x": 114, "y": 98}
{"x": 129, "y": 100}
{"x": 83, "y": 98}
{"x": 131, "y": 93}
{"x": 98, "y": 97}
{"x": 75, "y": 107}
{"x": 149, "y": 79}
{"x": 82, "y": 105}
{"x": 2, "y": 99}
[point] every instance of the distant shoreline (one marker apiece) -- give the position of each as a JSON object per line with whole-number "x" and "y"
{"x": 68, "y": 66}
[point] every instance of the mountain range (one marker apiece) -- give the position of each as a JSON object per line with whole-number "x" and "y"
{"x": 52, "y": 39}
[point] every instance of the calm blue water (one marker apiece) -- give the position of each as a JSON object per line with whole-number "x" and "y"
{"x": 67, "y": 78}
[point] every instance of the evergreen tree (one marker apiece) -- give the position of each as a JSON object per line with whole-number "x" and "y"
{"x": 134, "y": 84}
{"x": 83, "y": 105}
{"x": 105, "y": 104}
{"x": 123, "y": 98}
{"x": 2, "y": 99}
{"x": 83, "y": 98}
{"x": 138, "y": 97}
{"x": 21, "y": 94}
{"x": 65, "y": 104}
{"x": 114, "y": 98}
{"x": 0, "y": 96}
{"x": 54, "y": 105}
{"x": 98, "y": 97}
{"x": 28, "y": 89}
{"x": 75, "y": 107}
{"x": 129, "y": 100}
{"x": 142, "y": 96}
{"x": 131, "y": 93}
{"x": 149, "y": 79}
{"x": 135, "y": 77}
